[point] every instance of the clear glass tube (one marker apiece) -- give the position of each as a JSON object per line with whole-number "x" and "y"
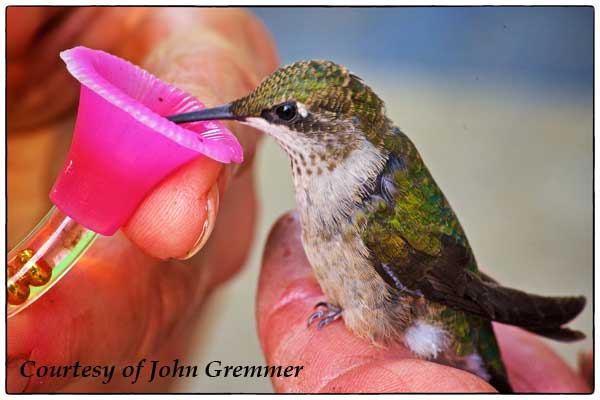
{"x": 43, "y": 257}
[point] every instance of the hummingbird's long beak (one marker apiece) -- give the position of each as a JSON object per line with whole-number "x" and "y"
{"x": 222, "y": 112}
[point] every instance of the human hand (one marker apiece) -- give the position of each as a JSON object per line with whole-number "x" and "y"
{"x": 130, "y": 297}
{"x": 335, "y": 360}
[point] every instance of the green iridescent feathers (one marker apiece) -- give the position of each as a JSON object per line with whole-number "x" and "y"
{"x": 411, "y": 225}
{"x": 417, "y": 210}
{"x": 323, "y": 87}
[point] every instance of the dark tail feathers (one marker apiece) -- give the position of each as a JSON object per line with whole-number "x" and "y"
{"x": 539, "y": 314}
{"x": 560, "y": 334}
{"x": 559, "y": 311}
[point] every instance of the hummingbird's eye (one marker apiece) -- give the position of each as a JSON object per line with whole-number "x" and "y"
{"x": 286, "y": 111}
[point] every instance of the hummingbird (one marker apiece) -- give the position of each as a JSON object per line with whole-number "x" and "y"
{"x": 385, "y": 246}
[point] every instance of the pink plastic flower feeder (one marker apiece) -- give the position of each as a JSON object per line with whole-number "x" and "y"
{"x": 122, "y": 147}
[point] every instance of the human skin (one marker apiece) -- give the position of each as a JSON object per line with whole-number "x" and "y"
{"x": 131, "y": 296}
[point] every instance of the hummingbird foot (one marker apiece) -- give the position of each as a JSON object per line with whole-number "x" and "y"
{"x": 327, "y": 314}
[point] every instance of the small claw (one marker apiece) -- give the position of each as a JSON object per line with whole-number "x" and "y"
{"x": 314, "y": 316}
{"x": 330, "y": 314}
{"x": 322, "y": 304}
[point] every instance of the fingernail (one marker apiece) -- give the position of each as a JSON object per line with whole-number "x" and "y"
{"x": 212, "y": 207}
{"x": 15, "y": 381}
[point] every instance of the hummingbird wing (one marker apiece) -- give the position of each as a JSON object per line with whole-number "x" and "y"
{"x": 417, "y": 244}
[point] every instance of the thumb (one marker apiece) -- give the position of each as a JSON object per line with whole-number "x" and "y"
{"x": 183, "y": 208}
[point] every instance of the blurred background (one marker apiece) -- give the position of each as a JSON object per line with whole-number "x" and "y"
{"x": 499, "y": 101}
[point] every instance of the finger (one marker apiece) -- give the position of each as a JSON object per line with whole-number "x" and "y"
{"x": 533, "y": 366}
{"x": 22, "y": 23}
{"x": 333, "y": 358}
{"x": 177, "y": 218}
{"x": 39, "y": 87}
{"x": 229, "y": 245}
{"x": 586, "y": 367}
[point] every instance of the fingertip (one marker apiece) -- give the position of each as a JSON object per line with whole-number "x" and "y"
{"x": 533, "y": 366}
{"x": 586, "y": 367}
{"x": 283, "y": 254}
{"x": 171, "y": 221}
{"x": 283, "y": 263}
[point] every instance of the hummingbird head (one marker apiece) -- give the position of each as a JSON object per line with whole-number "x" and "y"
{"x": 318, "y": 111}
